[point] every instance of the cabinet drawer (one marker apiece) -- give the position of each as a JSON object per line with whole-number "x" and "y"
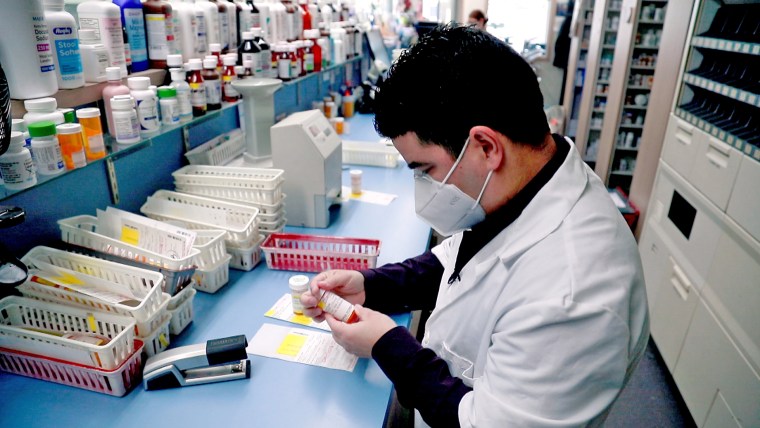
{"x": 720, "y": 415}
{"x": 744, "y": 204}
{"x": 710, "y": 362}
{"x": 715, "y": 167}
{"x": 689, "y": 222}
{"x": 682, "y": 141}
{"x": 654, "y": 258}
{"x": 675, "y": 299}
{"x": 732, "y": 288}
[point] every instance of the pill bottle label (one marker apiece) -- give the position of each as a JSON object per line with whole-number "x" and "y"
{"x": 197, "y": 95}
{"x": 127, "y": 127}
{"x": 337, "y": 307}
{"x": 49, "y": 159}
{"x": 147, "y": 114}
{"x": 200, "y": 41}
{"x": 96, "y": 144}
{"x": 213, "y": 91}
{"x": 17, "y": 172}
{"x": 283, "y": 68}
{"x": 68, "y": 55}
{"x": 44, "y": 53}
{"x": 169, "y": 113}
{"x": 158, "y": 46}
{"x": 79, "y": 159}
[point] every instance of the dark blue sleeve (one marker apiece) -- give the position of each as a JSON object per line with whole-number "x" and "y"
{"x": 422, "y": 380}
{"x": 404, "y": 287}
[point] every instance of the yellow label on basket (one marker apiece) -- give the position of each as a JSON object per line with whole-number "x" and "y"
{"x": 91, "y": 322}
{"x": 130, "y": 235}
{"x": 162, "y": 339}
{"x": 292, "y": 344}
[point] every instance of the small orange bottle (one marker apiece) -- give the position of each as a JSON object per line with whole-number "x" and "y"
{"x": 72, "y": 146}
{"x": 92, "y": 132}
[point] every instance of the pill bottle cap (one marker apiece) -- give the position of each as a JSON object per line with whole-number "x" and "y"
{"x": 174, "y": 60}
{"x": 209, "y": 63}
{"x": 42, "y": 129}
{"x": 167, "y": 92}
{"x": 138, "y": 83}
{"x": 228, "y": 60}
{"x": 69, "y": 128}
{"x": 84, "y": 113}
{"x": 299, "y": 283}
{"x": 41, "y": 104}
{"x": 113, "y": 74}
{"x": 17, "y": 140}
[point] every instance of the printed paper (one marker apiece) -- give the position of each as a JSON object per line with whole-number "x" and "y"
{"x": 283, "y": 310}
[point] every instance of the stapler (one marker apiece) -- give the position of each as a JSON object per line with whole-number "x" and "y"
{"x": 217, "y": 360}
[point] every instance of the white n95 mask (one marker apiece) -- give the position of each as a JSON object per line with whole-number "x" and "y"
{"x": 444, "y": 206}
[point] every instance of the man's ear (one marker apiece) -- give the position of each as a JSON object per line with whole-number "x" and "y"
{"x": 490, "y": 143}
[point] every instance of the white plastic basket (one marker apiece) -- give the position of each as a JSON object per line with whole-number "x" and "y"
{"x": 144, "y": 284}
{"x": 373, "y": 154}
{"x": 182, "y": 313}
{"x": 22, "y": 320}
{"x": 267, "y": 228}
{"x": 158, "y": 340}
{"x": 245, "y": 258}
{"x": 211, "y": 280}
{"x": 238, "y": 177}
{"x": 219, "y": 150}
{"x": 235, "y": 194}
{"x": 82, "y": 231}
{"x": 196, "y": 212}
{"x": 116, "y": 382}
{"x": 210, "y": 243}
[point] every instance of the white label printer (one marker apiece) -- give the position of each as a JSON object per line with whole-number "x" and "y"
{"x": 309, "y": 150}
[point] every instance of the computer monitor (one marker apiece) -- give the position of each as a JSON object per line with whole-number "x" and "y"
{"x": 377, "y": 49}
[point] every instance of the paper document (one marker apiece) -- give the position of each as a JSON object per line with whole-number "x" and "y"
{"x": 369, "y": 196}
{"x": 158, "y": 237}
{"x": 301, "y": 346}
{"x": 283, "y": 310}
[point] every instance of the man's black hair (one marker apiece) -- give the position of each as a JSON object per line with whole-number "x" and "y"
{"x": 455, "y": 78}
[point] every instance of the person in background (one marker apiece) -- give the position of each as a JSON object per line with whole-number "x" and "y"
{"x": 478, "y": 19}
{"x": 539, "y": 309}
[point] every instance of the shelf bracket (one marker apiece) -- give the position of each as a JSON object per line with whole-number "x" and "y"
{"x": 186, "y": 138}
{"x": 112, "y": 182}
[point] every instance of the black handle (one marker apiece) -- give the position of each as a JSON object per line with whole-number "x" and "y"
{"x": 226, "y": 350}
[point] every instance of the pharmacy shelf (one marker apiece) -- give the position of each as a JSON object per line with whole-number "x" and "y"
{"x": 654, "y": 48}
{"x": 726, "y": 45}
{"x": 324, "y": 73}
{"x": 88, "y": 94}
{"x": 650, "y": 22}
{"x": 623, "y": 126}
{"x": 622, "y": 173}
{"x": 116, "y": 151}
{"x": 639, "y": 88}
{"x": 725, "y": 90}
{"x": 736, "y": 142}
{"x": 634, "y": 107}
{"x": 642, "y": 67}
{"x": 626, "y": 149}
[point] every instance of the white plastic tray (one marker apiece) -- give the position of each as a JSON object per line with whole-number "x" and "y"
{"x": 219, "y": 150}
{"x": 196, "y": 212}
{"x": 144, "y": 284}
{"x": 22, "y": 319}
{"x": 82, "y": 231}
{"x": 373, "y": 154}
{"x": 238, "y": 177}
{"x": 211, "y": 280}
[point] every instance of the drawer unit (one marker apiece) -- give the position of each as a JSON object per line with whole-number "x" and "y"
{"x": 715, "y": 167}
{"x": 710, "y": 363}
{"x": 682, "y": 142}
{"x": 744, "y": 204}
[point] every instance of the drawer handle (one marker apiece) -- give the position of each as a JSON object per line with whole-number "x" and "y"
{"x": 680, "y": 281}
{"x": 685, "y": 127}
{"x": 683, "y": 139}
{"x": 717, "y": 154}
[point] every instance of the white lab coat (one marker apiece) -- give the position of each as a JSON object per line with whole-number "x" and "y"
{"x": 550, "y": 317}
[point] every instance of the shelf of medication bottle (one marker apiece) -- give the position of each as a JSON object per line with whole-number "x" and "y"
{"x": 595, "y": 128}
{"x": 600, "y": 95}
{"x": 631, "y": 126}
{"x": 608, "y": 46}
{"x": 116, "y": 151}
{"x": 598, "y": 110}
{"x": 725, "y": 90}
{"x": 639, "y": 88}
{"x": 650, "y": 22}
{"x": 734, "y": 141}
{"x": 324, "y": 71}
{"x": 605, "y": 66}
{"x": 87, "y": 94}
{"x": 626, "y": 149}
{"x": 654, "y": 48}
{"x": 642, "y": 67}
{"x": 622, "y": 173}
{"x": 634, "y": 107}
{"x": 726, "y": 45}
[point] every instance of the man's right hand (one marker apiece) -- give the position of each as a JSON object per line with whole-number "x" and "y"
{"x": 349, "y": 284}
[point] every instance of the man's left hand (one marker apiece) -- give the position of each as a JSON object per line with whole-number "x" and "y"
{"x": 359, "y": 338}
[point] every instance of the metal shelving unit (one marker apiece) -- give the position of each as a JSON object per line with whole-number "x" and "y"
{"x": 576, "y": 68}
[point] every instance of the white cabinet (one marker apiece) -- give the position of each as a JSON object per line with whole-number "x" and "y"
{"x": 682, "y": 142}
{"x": 715, "y": 168}
{"x": 744, "y": 205}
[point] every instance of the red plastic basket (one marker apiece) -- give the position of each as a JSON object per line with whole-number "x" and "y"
{"x": 115, "y": 382}
{"x": 310, "y": 253}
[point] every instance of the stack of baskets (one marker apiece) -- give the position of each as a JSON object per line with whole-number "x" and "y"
{"x": 219, "y": 150}
{"x": 251, "y": 188}
{"x": 82, "y": 233}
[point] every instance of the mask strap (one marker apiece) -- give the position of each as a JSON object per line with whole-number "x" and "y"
{"x": 461, "y": 155}
{"x": 483, "y": 190}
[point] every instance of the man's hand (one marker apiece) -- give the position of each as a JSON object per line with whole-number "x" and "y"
{"x": 348, "y": 284}
{"x": 358, "y": 338}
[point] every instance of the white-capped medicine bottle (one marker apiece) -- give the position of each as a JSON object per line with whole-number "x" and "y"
{"x": 94, "y": 57}
{"x": 183, "y": 94}
{"x": 298, "y": 284}
{"x": 169, "y": 108}
{"x": 126, "y": 125}
{"x": 105, "y": 18}
{"x": 47, "y": 151}
{"x": 41, "y": 109}
{"x": 146, "y": 104}
{"x": 16, "y": 165}
{"x": 65, "y": 43}
{"x": 28, "y": 58}
{"x": 338, "y": 307}
{"x": 19, "y": 125}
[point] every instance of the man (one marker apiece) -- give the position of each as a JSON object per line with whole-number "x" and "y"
{"x": 539, "y": 308}
{"x": 478, "y": 19}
